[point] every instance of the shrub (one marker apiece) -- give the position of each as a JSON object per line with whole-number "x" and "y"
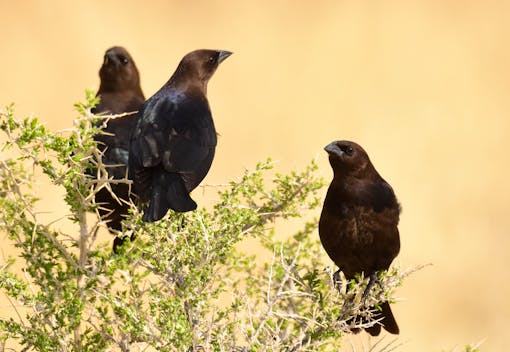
{"x": 183, "y": 284}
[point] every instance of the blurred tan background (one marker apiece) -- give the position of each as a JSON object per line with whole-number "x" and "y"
{"x": 424, "y": 86}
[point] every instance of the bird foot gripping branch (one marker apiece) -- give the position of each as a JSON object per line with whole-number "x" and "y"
{"x": 374, "y": 279}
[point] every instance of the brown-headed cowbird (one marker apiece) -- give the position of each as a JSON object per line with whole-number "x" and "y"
{"x": 358, "y": 223}
{"x": 119, "y": 92}
{"x": 173, "y": 143}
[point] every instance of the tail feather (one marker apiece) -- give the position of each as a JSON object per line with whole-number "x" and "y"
{"x": 387, "y": 321}
{"x": 374, "y": 330}
{"x": 168, "y": 192}
{"x": 178, "y": 197}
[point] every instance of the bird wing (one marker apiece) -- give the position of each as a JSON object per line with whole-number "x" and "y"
{"x": 379, "y": 237}
{"x": 176, "y": 133}
{"x": 377, "y": 195}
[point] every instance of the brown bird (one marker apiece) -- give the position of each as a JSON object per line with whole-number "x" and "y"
{"x": 120, "y": 92}
{"x": 173, "y": 143}
{"x": 358, "y": 223}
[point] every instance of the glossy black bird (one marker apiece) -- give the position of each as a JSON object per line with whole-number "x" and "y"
{"x": 173, "y": 143}
{"x": 359, "y": 219}
{"x": 119, "y": 92}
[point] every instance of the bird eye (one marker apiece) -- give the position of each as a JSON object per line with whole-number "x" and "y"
{"x": 212, "y": 59}
{"x": 124, "y": 61}
{"x": 347, "y": 149}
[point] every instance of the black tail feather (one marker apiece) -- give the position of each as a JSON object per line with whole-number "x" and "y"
{"x": 168, "y": 192}
{"x": 387, "y": 321}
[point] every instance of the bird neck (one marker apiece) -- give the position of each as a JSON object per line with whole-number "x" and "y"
{"x": 114, "y": 86}
{"x": 187, "y": 78}
{"x": 192, "y": 87}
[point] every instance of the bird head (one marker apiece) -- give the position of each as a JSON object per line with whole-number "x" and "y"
{"x": 347, "y": 158}
{"x": 200, "y": 65}
{"x": 118, "y": 71}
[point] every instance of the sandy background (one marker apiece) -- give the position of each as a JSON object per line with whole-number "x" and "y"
{"x": 424, "y": 86}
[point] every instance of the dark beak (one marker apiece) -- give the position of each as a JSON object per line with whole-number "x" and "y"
{"x": 110, "y": 56}
{"x": 333, "y": 149}
{"x": 223, "y": 54}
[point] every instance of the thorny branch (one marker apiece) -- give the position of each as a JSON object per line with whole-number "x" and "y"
{"x": 167, "y": 291}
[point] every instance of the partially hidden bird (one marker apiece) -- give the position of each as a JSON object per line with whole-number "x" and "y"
{"x": 173, "y": 143}
{"x": 358, "y": 227}
{"x": 119, "y": 93}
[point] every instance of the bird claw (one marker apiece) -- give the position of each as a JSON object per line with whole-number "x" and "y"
{"x": 337, "y": 280}
{"x": 373, "y": 280}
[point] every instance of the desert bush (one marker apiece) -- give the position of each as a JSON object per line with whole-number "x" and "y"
{"x": 184, "y": 284}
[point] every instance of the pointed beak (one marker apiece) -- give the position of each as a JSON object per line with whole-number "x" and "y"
{"x": 110, "y": 56}
{"x": 333, "y": 149}
{"x": 223, "y": 54}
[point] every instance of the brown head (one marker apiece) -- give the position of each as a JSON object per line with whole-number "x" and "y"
{"x": 197, "y": 67}
{"x": 349, "y": 159}
{"x": 118, "y": 71}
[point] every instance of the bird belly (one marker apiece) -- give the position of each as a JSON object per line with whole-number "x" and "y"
{"x": 356, "y": 243}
